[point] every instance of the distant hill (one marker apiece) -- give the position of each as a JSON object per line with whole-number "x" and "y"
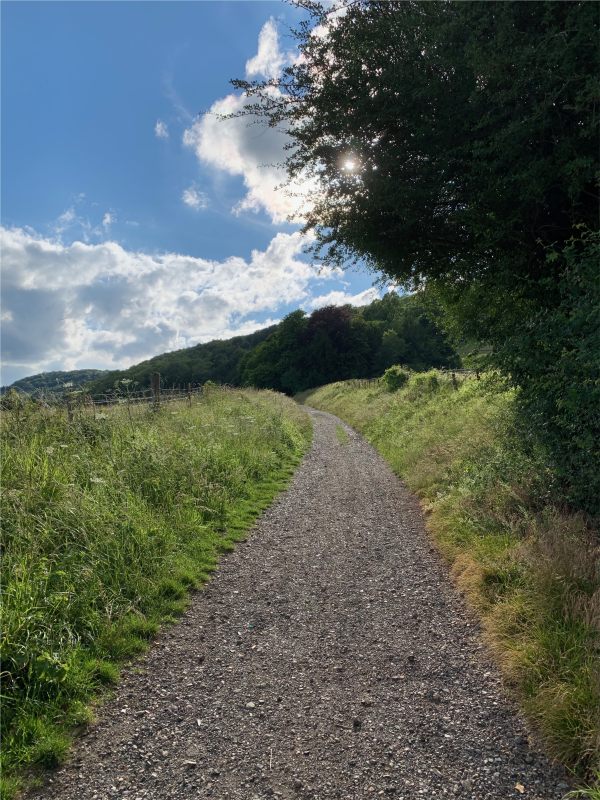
{"x": 333, "y": 343}
{"x": 216, "y": 361}
{"x": 57, "y": 382}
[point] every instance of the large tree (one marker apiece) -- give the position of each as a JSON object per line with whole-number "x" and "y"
{"x": 455, "y": 146}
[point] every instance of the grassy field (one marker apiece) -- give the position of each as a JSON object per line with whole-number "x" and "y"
{"x": 530, "y": 569}
{"x": 108, "y": 521}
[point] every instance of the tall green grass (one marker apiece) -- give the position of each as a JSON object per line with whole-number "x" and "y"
{"x": 532, "y": 570}
{"x": 108, "y": 521}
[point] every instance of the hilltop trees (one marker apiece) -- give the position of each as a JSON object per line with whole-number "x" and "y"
{"x": 455, "y": 146}
{"x": 337, "y": 343}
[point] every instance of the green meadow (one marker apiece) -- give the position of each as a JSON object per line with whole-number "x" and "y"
{"x": 108, "y": 522}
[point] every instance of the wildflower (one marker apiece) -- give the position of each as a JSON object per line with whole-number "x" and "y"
{"x": 95, "y": 479}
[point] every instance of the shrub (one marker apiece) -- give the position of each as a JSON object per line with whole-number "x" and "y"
{"x": 555, "y": 360}
{"x": 395, "y": 378}
{"x": 423, "y": 384}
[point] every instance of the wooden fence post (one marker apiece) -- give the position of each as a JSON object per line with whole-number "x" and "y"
{"x": 156, "y": 388}
{"x": 69, "y": 410}
{"x": 454, "y": 381}
{"x": 189, "y": 394}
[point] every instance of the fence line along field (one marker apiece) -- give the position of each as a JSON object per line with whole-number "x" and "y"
{"x": 125, "y": 392}
{"x": 108, "y": 519}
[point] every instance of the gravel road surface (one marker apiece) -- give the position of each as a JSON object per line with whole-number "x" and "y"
{"x": 328, "y": 657}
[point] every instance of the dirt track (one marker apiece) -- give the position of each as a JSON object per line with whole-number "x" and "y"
{"x": 329, "y": 657}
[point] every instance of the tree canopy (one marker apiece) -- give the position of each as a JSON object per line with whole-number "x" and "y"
{"x": 447, "y": 140}
{"x": 336, "y": 343}
{"x": 454, "y": 146}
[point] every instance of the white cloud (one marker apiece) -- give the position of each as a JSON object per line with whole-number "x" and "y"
{"x": 269, "y": 60}
{"x": 338, "y": 298}
{"x": 194, "y": 199}
{"x": 72, "y": 223}
{"x": 247, "y": 147}
{"x": 161, "y": 130}
{"x": 335, "y": 13}
{"x": 65, "y": 220}
{"x": 78, "y": 305}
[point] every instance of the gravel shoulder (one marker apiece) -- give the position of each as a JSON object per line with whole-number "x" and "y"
{"x": 328, "y": 657}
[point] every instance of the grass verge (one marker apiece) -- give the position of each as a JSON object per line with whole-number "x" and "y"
{"x": 108, "y": 522}
{"x": 530, "y": 569}
{"x": 341, "y": 434}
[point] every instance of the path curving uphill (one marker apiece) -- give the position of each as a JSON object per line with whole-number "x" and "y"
{"x": 329, "y": 657}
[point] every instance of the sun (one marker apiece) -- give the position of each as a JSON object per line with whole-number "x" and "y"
{"x": 350, "y": 165}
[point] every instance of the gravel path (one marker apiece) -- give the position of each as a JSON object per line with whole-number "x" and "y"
{"x": 329, "y": 657}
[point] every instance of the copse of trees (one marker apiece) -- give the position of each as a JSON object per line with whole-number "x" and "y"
{"x": 455, "y": 147}
{"x": 337, "y": 343}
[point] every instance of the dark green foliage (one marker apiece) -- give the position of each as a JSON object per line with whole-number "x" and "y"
{"x": 217, "y": 361}
{"x": 453, "y": 144}
{"x": 55, "y": 382}
{"x": 555, "y": 359}
{"x": 471, "y": 128}
{"x": 395, "y": 378}
{"x": 337, "y": 343}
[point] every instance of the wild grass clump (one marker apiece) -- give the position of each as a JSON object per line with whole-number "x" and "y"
{"x": 108, "y": 521}
{"x": 395, "y": 378}
{"x": 531, "y": 569}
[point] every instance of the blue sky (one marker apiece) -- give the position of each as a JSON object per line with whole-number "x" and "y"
{"x": 134, "y": 221}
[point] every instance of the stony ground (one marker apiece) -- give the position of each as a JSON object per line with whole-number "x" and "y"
{"x": 329, "y": 657}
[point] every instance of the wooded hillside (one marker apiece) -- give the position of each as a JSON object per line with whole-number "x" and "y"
{"x": 303, "y": 351}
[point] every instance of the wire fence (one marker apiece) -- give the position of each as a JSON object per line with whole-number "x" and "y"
{"x": 79, "y": 401}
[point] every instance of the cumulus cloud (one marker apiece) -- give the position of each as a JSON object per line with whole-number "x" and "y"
{"x": 245, "y": 146}
{"x": 339, "y": 298}
{"x": 161, "y": 130}
{"x": 194, "y": 199}
{"x": 100, "y": 305}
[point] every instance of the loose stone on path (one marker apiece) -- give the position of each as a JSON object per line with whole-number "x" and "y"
{"x": 328, "y": 657}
